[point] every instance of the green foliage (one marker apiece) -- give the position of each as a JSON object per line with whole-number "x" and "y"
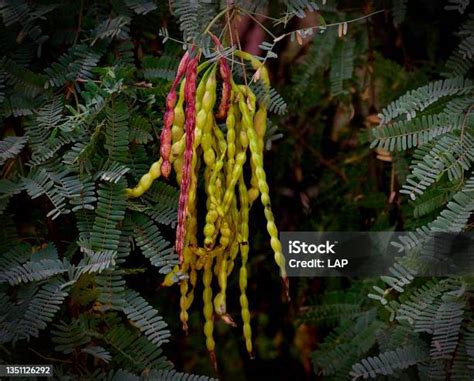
{"x": 82, "y": 87}
{"x": 328, "y": 52}
{"x": 269, "y": 97}
{"x": 387, "y": 362}
{"x": 399, "y": 11}
{"x": 436, "y": 309}
{"x": 83, "y": 121}
{"x": 316, "y": 59}
{"x": 10, "y": 147}
{"x": 461, "y": 60}
{"x": 153, "y": 246}
{"x": 160, "y": 375}
{"x": 146, "y": 318}
{"x": 417, "y": 128}
{"x": 193, "y": 16}
{"x": 342, "y": 64}
{"x": 423, "y": 327}
{"x": 444, "y": 154}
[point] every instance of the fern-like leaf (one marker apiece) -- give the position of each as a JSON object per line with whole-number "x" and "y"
{"x": 38, "y": 183}
{"x": 136, "y": 354}
{"x": 110, "y": 212}
{"x": 406, "y": 134}
{"x": 461, "y": 60}
{"x": 152, "y": 244}
{"x": 173, "y": 375}
{"x": 418, "y": 100}
{"x": 96, "y": 262}
{"x": 116, "y": 132}
{"x": 113, "y": 172}
{"x": 68, "y": 337}
{"x": 450, "y": 155}
{"x": 146, "y": 318}
{"x": 447, "y": 324}
{"x": 141, "y": 7}
{"x": 111, "y": 288}
{"x": 10, "y": 147}
{"x": 98, "y": 352}
{"x": 117, "y": 27}
{"x": 317, "y": 58}
{"x": 38, "y": 312}
{"x": 342, "y": 65}
{"x": 33, "y": 271}
{"x": 388, "y": 362}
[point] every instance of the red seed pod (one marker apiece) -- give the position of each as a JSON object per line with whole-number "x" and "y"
{"x": 171, "y": 99}
{"x": 226, "y": 75}
{"x": 190, "y": 124}
{"x": 224, "y": 105}
{"x": 165, "y": 143}
{"x": 165, "y": 140}
{"x": 181, "y": 69}
{"x": 166, "y": 168}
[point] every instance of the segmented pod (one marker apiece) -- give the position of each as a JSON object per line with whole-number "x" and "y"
{"x": 244, "y": 250}
{"x": 222, "y": 154}
{"x": 208, "y": 308}
{"x": 168, "y": 118}
{"x": 190, "y": 123}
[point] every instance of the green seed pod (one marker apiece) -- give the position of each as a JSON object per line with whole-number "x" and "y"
{"x": 138, "y": 191}
{"x": 234, "y": 251}
{"x": 200, "y": 90}
{"x": 257, "y": 159}
{"x": 226, "y": 234}
{"x": 228, "y": 199}
{"x": 183, "y": 301}
{"x": 244, "y": 250}
{"x": 155, "y": 170}
{"x": 178, "y": 168}
{"x": 208, "y": 101}
{"x": 260, "y": 123}
{"x": 236, "y": 172}
{"x": 146, "y": 180}
{"x": 253, "y": 194}
{"x": 213, "y": 201}
{"x": 231, "y": 148}
{"x": 208, "y": 306}
{"x": 221, "y": 141}
{"x": 177, "y": 130}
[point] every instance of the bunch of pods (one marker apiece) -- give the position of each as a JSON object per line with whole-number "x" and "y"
{"x": 223, "y": 142}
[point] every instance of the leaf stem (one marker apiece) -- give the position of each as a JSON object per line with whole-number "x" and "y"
{"x": 329, "y": 25}
{"x": 214, "y": 20}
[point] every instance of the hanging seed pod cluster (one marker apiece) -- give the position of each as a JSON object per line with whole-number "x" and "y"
{"x": 215, "y": 145}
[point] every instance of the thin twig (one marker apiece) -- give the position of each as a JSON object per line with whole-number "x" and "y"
{"x": 228, "y": 23}
{"x": 49, "y": 358}
{"x": 242, "y": 60}
{"x": 314, "y": 27}
{"x": 259, "y": 23}
{"x": 214, "y": 20}
{"x": 79, "y": 22}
